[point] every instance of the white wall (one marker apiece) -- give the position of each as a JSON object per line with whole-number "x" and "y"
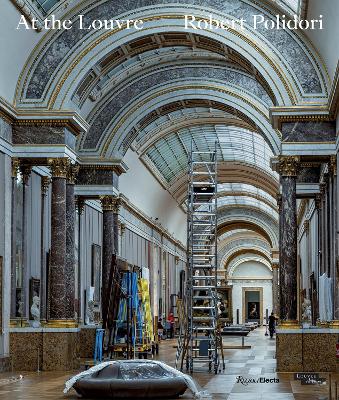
{"x": 261, "y": 278}
{"x": 15, "y": 47}
{"x": 326, "y": 40}
{"x": 145, "y": 192}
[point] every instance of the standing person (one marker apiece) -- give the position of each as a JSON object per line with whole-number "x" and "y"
{"x": 271, "y": 324}
{"x": 170, "y": 320}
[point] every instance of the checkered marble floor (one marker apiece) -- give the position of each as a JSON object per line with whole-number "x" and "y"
{"x": 258, "y": 361}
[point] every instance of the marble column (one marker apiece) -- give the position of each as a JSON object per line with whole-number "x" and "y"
{"x": 15, "y": 171}
{"x": 25, "y": 173}
{"x": 116, "y": 224}
{"x": 288, "y": 166}
{"x": 57, "y": 264}
{"x": 45, "y": 182}
{"x": 109, "y": 209}
{"x": 275, "y": 288}
{"x": 108, "y": 206}
{"x": 70, "y": 242}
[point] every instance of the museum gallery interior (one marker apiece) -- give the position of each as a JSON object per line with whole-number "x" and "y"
{"x": 168, "y": 182}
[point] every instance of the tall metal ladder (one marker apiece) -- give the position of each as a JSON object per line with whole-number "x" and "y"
{"x": 204, "y": 342}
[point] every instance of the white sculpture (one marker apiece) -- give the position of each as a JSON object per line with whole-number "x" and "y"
{"x": 35, "y": 311}
{"x": 306, "y": 313}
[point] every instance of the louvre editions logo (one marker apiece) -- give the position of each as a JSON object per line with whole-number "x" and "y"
{"x": 191, "y": 22}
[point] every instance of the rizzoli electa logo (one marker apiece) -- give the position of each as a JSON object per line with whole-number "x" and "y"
{"x": 246, "y": 381}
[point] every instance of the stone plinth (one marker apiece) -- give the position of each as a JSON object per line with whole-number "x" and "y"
{"x": 306, "y": 350}
{"x": 5, "y": 364}
{"x": 87, "y": 341}
{"x": 50, "y": 349}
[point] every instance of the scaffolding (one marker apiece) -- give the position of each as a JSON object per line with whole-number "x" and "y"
{"x": 200, "y": 341}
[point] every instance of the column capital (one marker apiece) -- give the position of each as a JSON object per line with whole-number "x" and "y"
{"x": 25, "y": 171}
{"x": 322, "y": 187}
{"x": 122, "y": 228}
{"x": 59, "y": 167}
{"x": 275, "y": 266}
{"x": 333, "y": 165}
{"x": 288, "y": 165}
{"x": 45, "y": 182}
{"x": 72, "y": 172}
{"x": 318, "y": 201}
{"x": 110, "y": 203}
{"x": 15, "y": 167}
{"x": 80, "y": 204}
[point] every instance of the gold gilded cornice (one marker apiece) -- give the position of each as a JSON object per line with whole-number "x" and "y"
{"x": 288, "y": 165}
{"x": 59, "y": 167}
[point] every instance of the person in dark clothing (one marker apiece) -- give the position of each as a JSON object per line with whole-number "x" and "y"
{"x": 271, "y": 324}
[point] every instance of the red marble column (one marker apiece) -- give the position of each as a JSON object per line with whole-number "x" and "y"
{"x": 288, "y": 167}
{"x": 57, "y": 264}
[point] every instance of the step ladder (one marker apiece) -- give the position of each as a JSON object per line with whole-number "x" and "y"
{"x": 202, "y": 343}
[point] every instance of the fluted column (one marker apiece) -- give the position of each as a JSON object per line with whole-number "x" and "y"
{"x": 57, "y": 265}
{"x": 275, "y": 288}
{"x": 70, "y": 242}
{"x": 45, "y": 182}
{"x": 288, "y": 166}
{"x": 15, "y": 170}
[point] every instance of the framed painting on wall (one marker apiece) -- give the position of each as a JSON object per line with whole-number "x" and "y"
{"x": 253, "y": 310}
{"x": 96, "y": 271}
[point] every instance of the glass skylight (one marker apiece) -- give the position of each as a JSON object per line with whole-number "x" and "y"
{"x": 170, "y": 154}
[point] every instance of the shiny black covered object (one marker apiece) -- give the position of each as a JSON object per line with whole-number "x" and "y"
{"x": 131, "y": 380}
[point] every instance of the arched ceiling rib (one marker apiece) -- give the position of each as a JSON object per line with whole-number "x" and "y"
{"x": 306, "y": 76}
{"x": 242, "y": 189}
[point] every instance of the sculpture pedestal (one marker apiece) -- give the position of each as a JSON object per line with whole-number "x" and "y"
{"x": 46, "y": 349}
{"x": 306, "y": 350}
